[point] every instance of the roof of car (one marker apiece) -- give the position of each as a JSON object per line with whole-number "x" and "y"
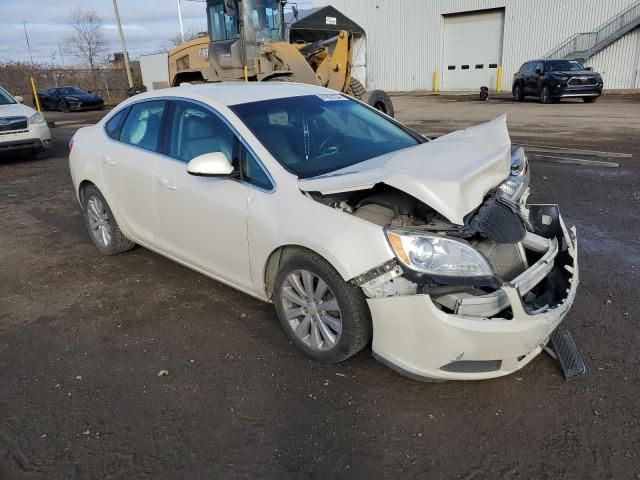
{"x": 234, "y": 93}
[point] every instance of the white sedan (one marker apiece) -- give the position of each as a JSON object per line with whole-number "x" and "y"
{"x": 358, "y": 229}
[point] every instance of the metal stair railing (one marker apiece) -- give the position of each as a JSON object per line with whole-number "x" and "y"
{"x": 587, "y": 44}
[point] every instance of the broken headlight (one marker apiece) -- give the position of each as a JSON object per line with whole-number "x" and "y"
{"x": 438, "y": 256}
{"x": 518, "y": 182}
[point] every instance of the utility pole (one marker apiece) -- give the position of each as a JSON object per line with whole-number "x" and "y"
{"x": 61, "y": 56}
{"x": 180, "y": 19}
{"x": 26, "y": 35}
{"x": 124, "y": 46}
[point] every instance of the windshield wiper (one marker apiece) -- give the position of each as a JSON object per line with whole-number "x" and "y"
{"x": 307, "y": 146}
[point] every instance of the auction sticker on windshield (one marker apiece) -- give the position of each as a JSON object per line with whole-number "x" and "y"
{"x": 332, "y": 97}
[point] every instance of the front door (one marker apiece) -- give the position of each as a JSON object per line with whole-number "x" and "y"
{"x": 202, "y": 220}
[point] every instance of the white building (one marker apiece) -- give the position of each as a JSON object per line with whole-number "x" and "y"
{"x": 460, "y": 44}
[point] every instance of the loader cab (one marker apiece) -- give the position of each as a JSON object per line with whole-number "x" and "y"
{"x": 237, "y": 29}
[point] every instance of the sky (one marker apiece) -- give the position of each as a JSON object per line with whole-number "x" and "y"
{"x": 147, "y": 25}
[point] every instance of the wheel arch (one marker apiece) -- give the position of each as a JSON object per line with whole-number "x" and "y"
{"x": 82, "y": 186}
{"x": 278, "y": 256}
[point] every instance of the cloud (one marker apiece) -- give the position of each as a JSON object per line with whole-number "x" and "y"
{"x": 147, "y": 24}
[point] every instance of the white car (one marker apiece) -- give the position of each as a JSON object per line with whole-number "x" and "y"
{"x": 358, "y": 229}
{"x": 22, "y": 129}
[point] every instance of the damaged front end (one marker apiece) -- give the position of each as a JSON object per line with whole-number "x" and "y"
{"x": 465, "y": 301}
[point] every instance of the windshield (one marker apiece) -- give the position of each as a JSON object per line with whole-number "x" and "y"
{"x": 6, "y": 98}
{"x": 564, "y": 66}
{"x": 223, "y": 20}
{"x": 71, "y": 91}
{"x": 316, "y": 134}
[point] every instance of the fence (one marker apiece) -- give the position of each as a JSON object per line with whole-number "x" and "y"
{"x": 110, "y": 83}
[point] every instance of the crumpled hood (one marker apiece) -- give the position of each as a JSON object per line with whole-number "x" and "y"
{"x": 16, "y": 110}
{"x": 451, "y": 174}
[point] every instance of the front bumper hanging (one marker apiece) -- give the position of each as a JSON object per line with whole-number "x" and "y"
{"x": 415, "y": 337}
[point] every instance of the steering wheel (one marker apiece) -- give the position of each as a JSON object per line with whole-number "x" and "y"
{"x": 331, "y": 142}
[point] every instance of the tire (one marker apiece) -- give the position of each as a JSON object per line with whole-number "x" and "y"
{"x": 349, "y": 325}
{"x": 97, "y": 214}
{"x": 589, "y": 99}
{"x": 518, "y": 93}
{"x": 280, "y": 78}
{"x": 379, "y": 100}
{"x": 62, "y": 105}
{"x": 545, "y": 96}
{"x": 356, "y": 89}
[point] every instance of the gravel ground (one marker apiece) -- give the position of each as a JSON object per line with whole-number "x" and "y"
{"x": 83, "y": 338}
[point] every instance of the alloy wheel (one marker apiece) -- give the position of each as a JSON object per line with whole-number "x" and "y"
{"x": 99, "y": 221}
{"x": 312, "y": 310}
{"x": 545, "y": 95}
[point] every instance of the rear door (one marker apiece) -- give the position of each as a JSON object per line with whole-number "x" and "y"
{"x": 128, "y": 164}
{"x": 202, "y": 220}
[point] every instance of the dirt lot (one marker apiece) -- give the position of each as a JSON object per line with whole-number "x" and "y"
{"x": 83, "y": 337}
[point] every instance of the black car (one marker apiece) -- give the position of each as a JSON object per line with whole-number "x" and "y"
{"x": 551, "y": 80}
{"x": 69, "y": 98}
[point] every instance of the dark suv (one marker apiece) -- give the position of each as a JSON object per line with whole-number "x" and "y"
{"x": 551, "y": 80}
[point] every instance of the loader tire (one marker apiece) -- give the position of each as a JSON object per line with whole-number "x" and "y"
{"x": 356, "y": 89}
{"x": 379, "y": 100}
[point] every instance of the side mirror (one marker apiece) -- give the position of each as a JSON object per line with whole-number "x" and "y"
{"x": 589, "y": 68}
{"x": 539, "y": 71}
{"x": 19, "y": 99}
{"x": 215, "y": 164}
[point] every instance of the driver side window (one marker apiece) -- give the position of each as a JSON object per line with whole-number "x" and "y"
{"x": 195, "y": 131}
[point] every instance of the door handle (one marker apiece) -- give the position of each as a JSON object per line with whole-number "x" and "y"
{"x": 109, "y": 161}
{"x": 166, "y": 184}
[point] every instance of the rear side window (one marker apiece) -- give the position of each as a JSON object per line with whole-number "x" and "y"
{"x": 143, "y": 124}
{"x": 114, "y": 124}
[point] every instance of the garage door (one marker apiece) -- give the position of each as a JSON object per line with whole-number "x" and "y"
{"x": 472, "y": 50}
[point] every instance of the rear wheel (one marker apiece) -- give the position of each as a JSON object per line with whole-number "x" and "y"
{"x": 101, "y": 224}
{"x": 326, "y": 317}
{"x": 63, "y": 107}
{"x": 589, "y": 99}
{"x": 379, "y": 100}
{"x": 518, "y": 94}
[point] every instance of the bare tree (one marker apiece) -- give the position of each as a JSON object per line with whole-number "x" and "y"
{"x": 189, "y": 34}
{"x": 86, "y": 42}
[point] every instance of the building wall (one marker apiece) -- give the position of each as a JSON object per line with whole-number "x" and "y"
{"x": 405, "y": 37}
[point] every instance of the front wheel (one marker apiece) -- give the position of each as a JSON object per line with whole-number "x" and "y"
{"x": 545, "y": 95}
{"x": 589, "y": 99}
{"x": 326, "y": 317}
{"x": 63, "y": 107}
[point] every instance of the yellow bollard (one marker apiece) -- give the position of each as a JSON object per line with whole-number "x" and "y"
{"x": 35, "y": 94}
{"x": 499, "y": 79}
{"x": 436, "y": 80}
{"x": 246, "y": 73}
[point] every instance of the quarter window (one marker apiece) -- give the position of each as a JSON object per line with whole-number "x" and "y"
{"x": 195, "y": 131}
{"x": 252, "y": 172}
{"x": 143, "y": 124}
{"x": 114, "y": 124}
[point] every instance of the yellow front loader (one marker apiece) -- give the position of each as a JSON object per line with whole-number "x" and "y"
{"x": 246, "y": 43}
